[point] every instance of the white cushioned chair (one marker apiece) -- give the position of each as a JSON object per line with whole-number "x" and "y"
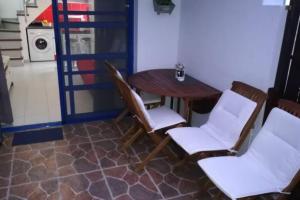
{"x": 151, "y": 120}
{"x": 223, "y": 128}
{"x": 269, "y": 165}
{"x": 149, "y": 100}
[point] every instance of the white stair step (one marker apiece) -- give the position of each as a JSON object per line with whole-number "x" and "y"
{"x": 11, "y": 23}
{"x": 32, "y": 5}
{"x": 9, "y": 44}
{"x": 21, "y": 13}
{"x": 9, "y": 34}
{"x": 12, "y": 52}
{"x": 15, "y": 62}
{"x": 10, "y": 26}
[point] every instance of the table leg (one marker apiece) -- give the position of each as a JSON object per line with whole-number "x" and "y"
{"x": 138, "y": 91}
{"x": 162, "y": 100}
{"x": 187, "y": 111}
{"x": 172, "y": 103}
{"x": 178, "y": 104}
{"x": 1, "y": 135}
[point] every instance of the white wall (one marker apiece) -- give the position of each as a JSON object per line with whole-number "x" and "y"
{"x": 222, "y": 41}
{"x": 8, "y": 9}
{"x": 157, "y": 36}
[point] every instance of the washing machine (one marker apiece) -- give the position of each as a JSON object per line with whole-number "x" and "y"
{"x": 41, "y": 44}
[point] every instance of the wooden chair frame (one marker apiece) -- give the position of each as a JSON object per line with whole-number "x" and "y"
{"x": 114, "y": 74}
{"x": 134, "y": 131}
{"x": 247, "y": 91}
{"x": 294, "y": 109}
{"x": 144, "y": 124}
{"x": 251, "y": 93}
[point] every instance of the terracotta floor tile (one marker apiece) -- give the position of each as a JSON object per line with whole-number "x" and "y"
{"x": 73, "y": 159}
{"x": 110, "y": 154}
{"x": 33, "y": 165}
{"x": 3, "y": 193}
{"x": 34, "y": 191}
{"x": 89, "y": 185}
{"x": 74, "y": 134}
{"x": 89, "y": 164}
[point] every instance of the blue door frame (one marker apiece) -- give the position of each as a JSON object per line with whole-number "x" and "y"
{"x": 73, "y": 117}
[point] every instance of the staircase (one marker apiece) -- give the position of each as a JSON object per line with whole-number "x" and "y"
{"x": 10, "y": 41}
{"x": 13, "y": 38}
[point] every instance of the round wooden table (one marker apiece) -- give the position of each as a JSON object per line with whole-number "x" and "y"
{"x": 163, "y": 82}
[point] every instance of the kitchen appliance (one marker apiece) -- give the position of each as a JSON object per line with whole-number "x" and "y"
{"x": 41, "y": 44}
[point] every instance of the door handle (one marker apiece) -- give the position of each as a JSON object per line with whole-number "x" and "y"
{"x": 298, "y": 95}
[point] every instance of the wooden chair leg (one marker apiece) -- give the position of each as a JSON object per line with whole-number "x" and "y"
{"x": 152, "y": 154}
{"x": 283, "y": 197}
{"x": 132, "y": 139}
{"x": 204, "y": 188}
{"x": 129, "y": 133}
{"x": 207, "y": 185}
{"x": 121, "y": 115}
{"x": 218, "y": 196}
{"x": 182, "y": 162}
{"x": 119, "y": 118}
{"x": 158, "y": 140}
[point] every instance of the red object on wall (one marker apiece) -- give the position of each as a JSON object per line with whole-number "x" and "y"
{"x": 48, "y": 15}
{"x": 87, "y": 65}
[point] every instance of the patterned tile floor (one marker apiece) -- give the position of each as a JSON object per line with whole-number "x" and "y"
{"x": 88, "y": 164}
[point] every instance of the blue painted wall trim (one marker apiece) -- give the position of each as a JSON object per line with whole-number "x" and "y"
{"x": 129, "y": 25}
{"x": 15, "y": 129}
{"x": 60, "y": 70}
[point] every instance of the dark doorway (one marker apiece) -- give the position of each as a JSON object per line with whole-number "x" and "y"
{"x": 287, "y": 83}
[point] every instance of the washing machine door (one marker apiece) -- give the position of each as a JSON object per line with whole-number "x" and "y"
{"x": 41, "y": 44}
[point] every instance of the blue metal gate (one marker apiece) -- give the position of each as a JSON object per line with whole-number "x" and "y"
{"x": 87, "y": 33}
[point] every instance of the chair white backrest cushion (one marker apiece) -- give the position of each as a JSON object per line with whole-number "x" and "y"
{"x": 277, "y": 147}
{"x": 229, "y": 116}
{"x": 143, "y": 109}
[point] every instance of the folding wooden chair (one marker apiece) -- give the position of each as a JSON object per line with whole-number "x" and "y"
{"x": 149, "y": 101}
{"x": 229, "y": 124}
{"x": 151, "y": 121}
{"x": 270, "y": 165}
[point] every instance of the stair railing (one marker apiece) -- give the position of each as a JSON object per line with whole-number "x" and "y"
{"x": 25, "y": 9}
{"x": 27, "y": 3}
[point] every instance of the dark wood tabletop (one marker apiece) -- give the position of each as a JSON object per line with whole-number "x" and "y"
{"x": 163, "y": 82}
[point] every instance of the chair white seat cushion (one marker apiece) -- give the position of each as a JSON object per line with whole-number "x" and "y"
{"x": 163, "y": 117}
{"x": 237, "y": 177}
{"x": 223, "y": 128}
{"x": 150, "y": 98}
{"x": 193, "y": 139}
